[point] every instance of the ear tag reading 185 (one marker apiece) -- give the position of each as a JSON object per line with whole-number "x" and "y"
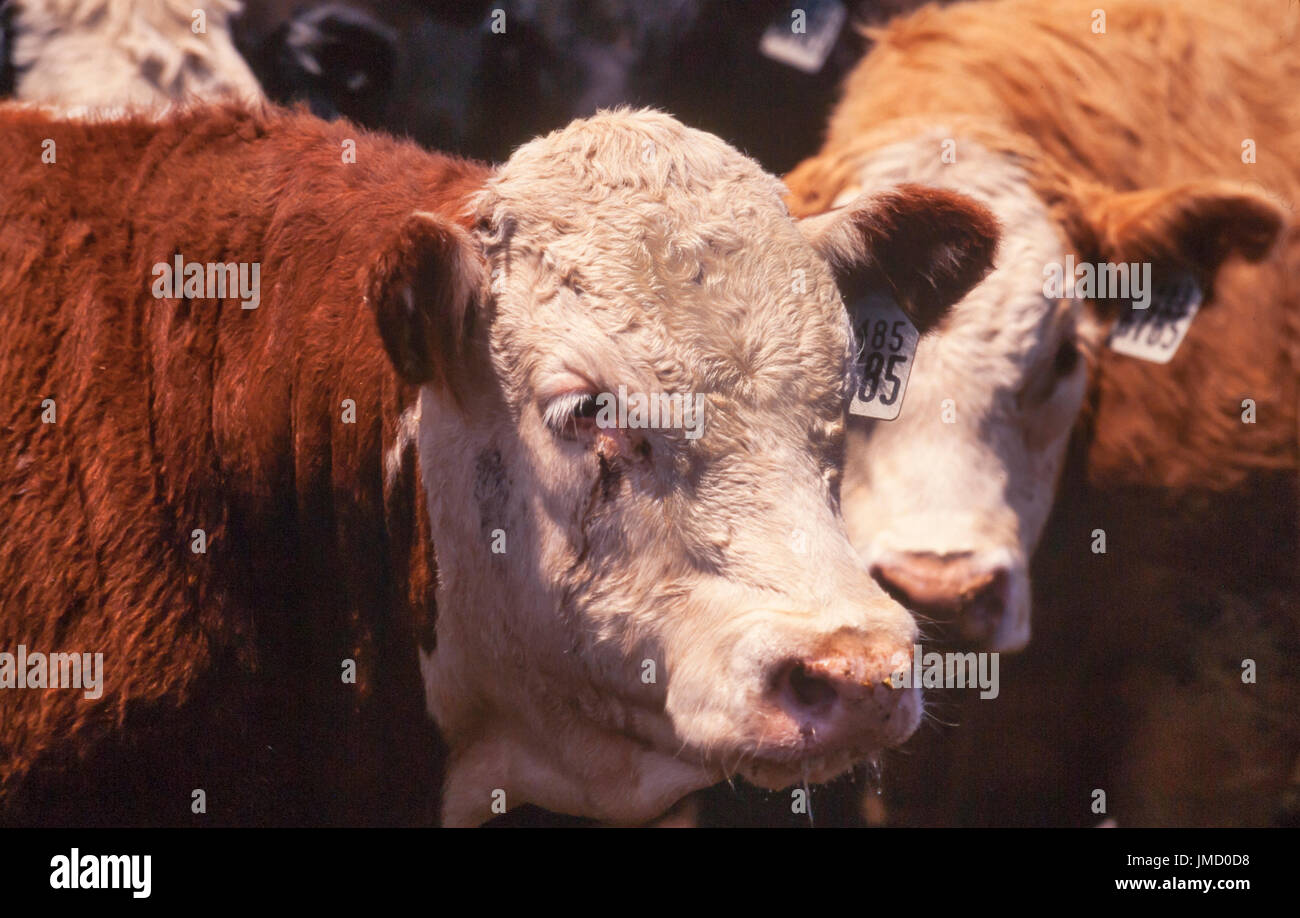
{"x": 818, "y": 23}
{"x": 886, "y": 341}
{"x": 1154, "y": 333}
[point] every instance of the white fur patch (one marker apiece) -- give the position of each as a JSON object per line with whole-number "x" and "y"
{"x": 957, "y": 471}
{"x": 408, "y": 431}
{"x": 111, "y": 56}
{"x": 627, "y": 251}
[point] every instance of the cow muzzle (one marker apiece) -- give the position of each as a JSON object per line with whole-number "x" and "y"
{"x": 968, "y": 597}
{"x": 825, "y": 710}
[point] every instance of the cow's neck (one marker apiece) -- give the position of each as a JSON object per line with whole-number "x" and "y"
{"x": 307, "y": 484}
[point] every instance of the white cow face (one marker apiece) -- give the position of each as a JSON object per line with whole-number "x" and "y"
{"x": 947, "y": 502}
{"x": 633, "y": 608}
{"x": 112, "y": 56}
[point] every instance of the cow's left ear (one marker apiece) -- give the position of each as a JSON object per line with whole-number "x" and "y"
{"x": 424, "y": 288}
{"x": 926, "y": 246}
{"x": 1196, "y": 225}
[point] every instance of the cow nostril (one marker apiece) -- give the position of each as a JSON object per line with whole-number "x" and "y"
{"x": 807, "y": 688}
{"x": 838, "y": 696}
{"x": 982, "y": 607}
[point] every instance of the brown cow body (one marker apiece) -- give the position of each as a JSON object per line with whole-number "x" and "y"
{"x": 176, "y": 415}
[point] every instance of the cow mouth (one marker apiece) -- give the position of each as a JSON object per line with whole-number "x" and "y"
{"x": 803, "y": 750}
{"x": 777, "y": 769}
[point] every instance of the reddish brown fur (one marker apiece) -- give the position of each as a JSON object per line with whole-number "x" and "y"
{"x": 926, "y": 245}
{"x": 222, "y": 670}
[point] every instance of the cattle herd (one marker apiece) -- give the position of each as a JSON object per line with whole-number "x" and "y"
{"x": 347, "y": 478}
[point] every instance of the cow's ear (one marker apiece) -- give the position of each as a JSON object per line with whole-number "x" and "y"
{"x": 424, "y": 288}
{"x": 927, "y": 247}
{"x": 1195, "y": 226}
{"x": 815, "y": 184}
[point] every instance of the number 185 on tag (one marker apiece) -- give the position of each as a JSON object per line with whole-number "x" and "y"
{"x": 887, "y": 346}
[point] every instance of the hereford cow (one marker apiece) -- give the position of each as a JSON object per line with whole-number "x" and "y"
{"x": 119, "y": 53}
{"x": 1155, "y": 133}
{"x": 1029, "y": 107}
{"x": 212, "y": 484}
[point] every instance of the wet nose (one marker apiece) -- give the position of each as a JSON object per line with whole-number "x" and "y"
{"x": 842, "y": 694}
{"x": 952, "y": 588}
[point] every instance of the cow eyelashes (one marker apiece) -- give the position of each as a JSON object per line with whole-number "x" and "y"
{"x": 1067, "y": 357}
{"x": 1043, "y": 382}
{"x": 570, "y": 413}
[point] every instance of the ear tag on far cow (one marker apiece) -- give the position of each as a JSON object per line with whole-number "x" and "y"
{"x": 886, "y": 342}
{"x": 1156, "y": 332}
{"x": 803, "y": 34}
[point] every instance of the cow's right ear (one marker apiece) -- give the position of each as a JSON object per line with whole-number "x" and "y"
{"x": 424, "y": 288}
{"x": 926, "y": 247}
{"x": 1196, "y": 225}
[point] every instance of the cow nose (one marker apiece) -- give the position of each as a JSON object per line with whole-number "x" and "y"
{"x": 844, "y": 693}
{"x": 955, "y": 589}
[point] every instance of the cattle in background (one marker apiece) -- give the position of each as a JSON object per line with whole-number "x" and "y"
{"x": 6, "y": 49}
{"x": 119, "y": 53}
{"x": 952, "y": 503}
{"x": 402, "y": 66}
{"x": 438, "y": 72}
{"x": 1166, "y": 139}
{"x": 221, "y": 499}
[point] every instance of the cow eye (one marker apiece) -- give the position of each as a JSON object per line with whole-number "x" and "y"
{"x": 1067, "y": 357}
{"x": 572, "y": 413}
{"x": 1042, "y": 383}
